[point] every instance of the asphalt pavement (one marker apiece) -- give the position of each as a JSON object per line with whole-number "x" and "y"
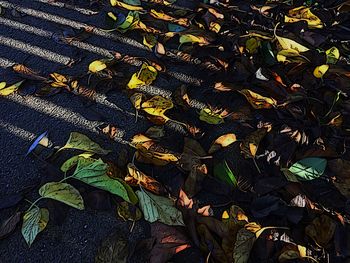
{"x": 28, "y": 30}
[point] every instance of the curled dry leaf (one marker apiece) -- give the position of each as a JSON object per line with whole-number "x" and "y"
{"x": 222, "y": 142}
{"x": 169, "y": 241}
{"x": 151, "y": 152}
{"x": 258, "y": 101}
{"x": 27, "y": 73}
{"x": 157, "y": 106}
{"x": 136, "y": 177}
{"x": 303, "y": 13}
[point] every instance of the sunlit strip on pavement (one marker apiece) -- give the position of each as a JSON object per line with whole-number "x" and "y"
{"x": 83, "y": 11}
{"x": 68, "y": 22}
{"x": 17, "y": 131}
{"x": 34, "y": 50}
{"x": 5, "y": 63}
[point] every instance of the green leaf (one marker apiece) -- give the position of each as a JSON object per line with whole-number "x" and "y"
{"x": 132, "y": 2}
{"x": 34, "y": 221}
{"x": 130, "y": 21}
{"x": 82, "y": 142}
{"x": 71, "y": 162}
{"x": 9, "y": 90}
{"x": 333, "y": 55}
{"x": 209, "y": 116}
{"x": 309, "y": 168}
{"x": 244, "y": 243}
{"x": 64, "y": 193}
{"x": 94, "y": 173}
{"x": 159, "y": 208}
{"x": 224, "y": 173}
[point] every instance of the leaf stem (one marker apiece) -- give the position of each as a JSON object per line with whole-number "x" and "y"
{"x": 35, "y": 202}
{"x": 256, "y": 165}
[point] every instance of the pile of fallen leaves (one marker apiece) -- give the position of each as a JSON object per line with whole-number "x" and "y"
{"x": 259, "y": 172}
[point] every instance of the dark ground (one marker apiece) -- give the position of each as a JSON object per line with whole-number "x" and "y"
{"x": 29, "y": 39}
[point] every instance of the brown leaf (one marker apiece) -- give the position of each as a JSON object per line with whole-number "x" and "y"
{"x": 181, "y": 97}
{"x": 250, "y": 144}
{"x": 9, "y": 225}
{"x": 113, "y": 249}
{"x": 321, "y": 230}
{"x": 169, "y": 241}
{"x": 222, "y": 142}
{"x": 136, "y": 177}
{"x": 193, "y": 183}
{"x": 128, "y": 211}
{"x": 27, "y": 73}
{"x": 150, "y": 152}
{"x": 208, "y": 244}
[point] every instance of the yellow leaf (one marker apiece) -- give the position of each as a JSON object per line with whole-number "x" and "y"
{"x": 290, "y": 55}
{"x": 215, "y": 27}
{"x": 9, "y": 90}
{"x": 303, "y": 13}
{"x": 225, "y": 215}
{"x": 58, "y": 84}
{"x": 257, "y": 101}
{"x": 58, "y": 77}
{"x": 157, "y": 106}
{"x": 166, "y": 17}
{"x": 333, "y": 55}
{"x": 320, "y": 71}
{"x": 2, "y": 85}
{"x": 145, "y": 76}
{"x": 97, "y": 66}
{"x": 210, "y": 117}
{"x": 149, "y": 152}
{"x": 126, "y": 6}
{"x": 222, "y": 142}
{"x": 189, "y": 38}
{"x": 287, "y": 43}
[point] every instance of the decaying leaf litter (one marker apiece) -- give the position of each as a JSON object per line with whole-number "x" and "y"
{"x": 260, "y": 170}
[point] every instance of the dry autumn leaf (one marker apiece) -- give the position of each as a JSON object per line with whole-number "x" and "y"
{"x": 136, "y": 177}
{"x": 303, "y": 13}
{"x": 250, "y": 144}
{"x": 222, "y": 142}
{"x": 157, "y": 106}
{"x": 258, "y": 101}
